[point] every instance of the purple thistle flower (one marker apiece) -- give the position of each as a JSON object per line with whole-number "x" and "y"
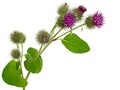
{"x": 69, "y": 20}
{"x": 82, "y": 9}
{"x": 98, "y": 19}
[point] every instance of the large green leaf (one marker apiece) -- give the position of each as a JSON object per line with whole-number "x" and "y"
{"x": 75, "y": 44}
{"x": 33, "y": 62}
{"x": 12, "y": 75}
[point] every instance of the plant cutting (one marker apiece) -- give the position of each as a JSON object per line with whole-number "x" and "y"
{"x": 68, "y": 20}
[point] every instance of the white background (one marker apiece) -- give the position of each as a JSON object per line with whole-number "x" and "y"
{"x": 98, "y": 69}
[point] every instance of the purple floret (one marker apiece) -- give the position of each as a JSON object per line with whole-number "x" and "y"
{"x": 98, "y": 19}
{"x": 69, "y": 20}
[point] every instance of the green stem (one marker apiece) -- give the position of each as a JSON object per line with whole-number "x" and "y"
{"x": 17, "y": 45}
{"x": 21, "y": 60}
{"x": 24, "y": 88}
{"x": 21, "y": 68}
{"x": 53, "y": 28}
{"x": 28, "y": 74}
{"x": 45, "y": 46}
{"x": 22, "y": 52}
{"x": 68, "y": 31}
{"x": 57, "y": 32}
{"x": 40, "y": 48}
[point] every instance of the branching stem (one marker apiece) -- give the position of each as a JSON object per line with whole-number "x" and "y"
{"x": 42, "y": 48}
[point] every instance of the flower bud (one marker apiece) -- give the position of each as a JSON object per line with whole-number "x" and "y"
{"x": 43, "y": 37}
{"x": 17, "y": 37}
{"x": 60, "y": 22}
{"x": 82, "y": 9}
{"x": 63, "y": 9}
{"x": 79, "y": 12}
{"x": 15, "y": 53}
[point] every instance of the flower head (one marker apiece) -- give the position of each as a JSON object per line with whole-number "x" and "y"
{"x": 43, "y": 37}
{"x": 17, "y": 37}
{"x": 82, "y": 9}
{"x": 98, "y": 19}
{"x": 69, "y": 20}
{"x": 15, "y": 53}
{"x": 95, "y": 20}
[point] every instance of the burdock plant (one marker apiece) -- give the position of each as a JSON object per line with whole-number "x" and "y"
{"x": 67, "y": 21}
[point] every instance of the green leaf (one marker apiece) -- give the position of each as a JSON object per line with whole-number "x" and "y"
{"x": 33, "y": 62}
{"x": 17, "y": 64}
{"x": 12, "y": 75}
{"x": 75, "y": 44}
